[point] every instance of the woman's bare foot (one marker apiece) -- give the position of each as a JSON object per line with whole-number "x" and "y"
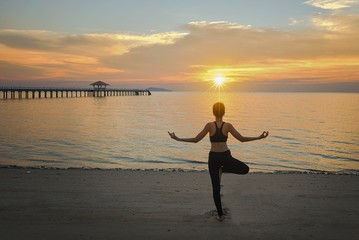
{"x": 220, "y": 218}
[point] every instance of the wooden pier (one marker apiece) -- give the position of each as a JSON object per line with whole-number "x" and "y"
{"x": 32, "y": 92}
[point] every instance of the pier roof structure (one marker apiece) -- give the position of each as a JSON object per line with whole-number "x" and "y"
{"x": 99, "y": 85}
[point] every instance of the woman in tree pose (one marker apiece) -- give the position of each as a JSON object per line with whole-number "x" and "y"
{"x": 220, "y": 159}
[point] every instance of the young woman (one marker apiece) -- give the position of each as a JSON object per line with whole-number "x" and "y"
{"x": 220, "y": 158}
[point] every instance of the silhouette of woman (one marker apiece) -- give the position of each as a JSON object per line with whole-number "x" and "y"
{"x": 220, "y": 158}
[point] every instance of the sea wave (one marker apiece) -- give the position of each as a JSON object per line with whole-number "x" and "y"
{"x": 312, "y": 171}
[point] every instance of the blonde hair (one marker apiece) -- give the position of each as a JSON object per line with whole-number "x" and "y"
{"x": 218, "y": 109}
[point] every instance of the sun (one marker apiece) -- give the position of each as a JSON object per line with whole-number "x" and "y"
{"x": 219, "y": 81}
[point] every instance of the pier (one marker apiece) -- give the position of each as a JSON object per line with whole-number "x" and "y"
{"x": 22, "y": 92}
{"x": 99, "y": 90}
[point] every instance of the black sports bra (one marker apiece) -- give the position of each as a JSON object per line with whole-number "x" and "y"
{"x": 218, "y": 135}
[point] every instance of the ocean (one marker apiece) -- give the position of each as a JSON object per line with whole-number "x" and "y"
{"x": 308, "y": 132}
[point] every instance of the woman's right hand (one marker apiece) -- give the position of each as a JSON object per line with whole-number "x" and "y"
{"x": 173, "y": 135}
{"x": 264, "y": 134}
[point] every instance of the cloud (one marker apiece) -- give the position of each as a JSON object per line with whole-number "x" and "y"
{"x": 337, "y": 23}
{"x": 89, "y": 44}
{"x": 71, "y": 56}
{"x": 8, "y": 70}
{"x": 245, "y": 53}
{"x": 327, "y": 52}
{"x": 332, "y": 4}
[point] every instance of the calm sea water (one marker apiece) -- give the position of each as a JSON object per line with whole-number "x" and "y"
{"x": 308, "y": 131}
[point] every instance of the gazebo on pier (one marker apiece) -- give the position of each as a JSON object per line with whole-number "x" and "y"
{"x": 99, "y": 85}
{"x": 99, "y": 88}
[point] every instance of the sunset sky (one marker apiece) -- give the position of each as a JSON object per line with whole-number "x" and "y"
{"x": 257, "y": 45}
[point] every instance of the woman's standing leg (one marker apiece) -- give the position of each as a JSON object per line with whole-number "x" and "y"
{"x": 214, "y": 167}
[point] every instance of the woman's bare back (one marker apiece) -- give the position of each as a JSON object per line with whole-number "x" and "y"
{"x": 218, "y": 146}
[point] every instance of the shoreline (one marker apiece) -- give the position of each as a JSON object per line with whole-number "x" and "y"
{"x": 100, "y": 204}
{"x": 343, "y": 172}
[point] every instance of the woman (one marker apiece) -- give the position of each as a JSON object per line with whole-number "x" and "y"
{"x": 220, "y": 158}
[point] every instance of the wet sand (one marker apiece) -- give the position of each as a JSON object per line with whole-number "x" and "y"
{"x": 119, "y": 204}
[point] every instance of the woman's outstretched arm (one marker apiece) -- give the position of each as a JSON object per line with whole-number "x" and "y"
{"x": 240, "y": 138}
{"x": 196, "y": 139}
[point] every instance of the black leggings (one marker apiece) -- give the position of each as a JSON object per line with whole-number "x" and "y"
{"x": 224, "y": 160}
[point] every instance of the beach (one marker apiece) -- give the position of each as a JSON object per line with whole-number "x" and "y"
{"x": 128, "y": 204}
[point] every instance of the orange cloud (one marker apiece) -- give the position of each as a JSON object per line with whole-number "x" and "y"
{"x": 245, "y": 53}
{"x": 326, "y": 52}
{"x": 324, "y": 70}
{"x": 53, "y": 55}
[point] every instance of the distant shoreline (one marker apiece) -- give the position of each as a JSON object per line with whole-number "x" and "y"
{"x": 154, "y": 89}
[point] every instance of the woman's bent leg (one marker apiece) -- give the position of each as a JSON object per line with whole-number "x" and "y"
{"x": 233, "y": 165}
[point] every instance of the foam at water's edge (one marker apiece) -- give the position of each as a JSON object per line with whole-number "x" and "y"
{"x": 346, "y": 172}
